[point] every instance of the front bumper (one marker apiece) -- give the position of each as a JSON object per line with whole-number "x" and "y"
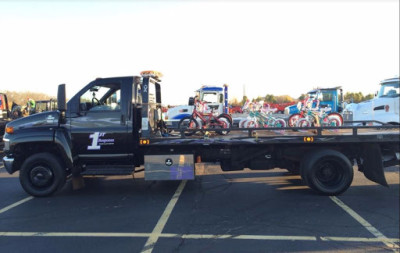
{"x": 8, "y": 164}
{"x": 172, "y": 123}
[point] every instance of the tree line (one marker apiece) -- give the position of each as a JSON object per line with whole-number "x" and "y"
{"x": 21, "y": 98}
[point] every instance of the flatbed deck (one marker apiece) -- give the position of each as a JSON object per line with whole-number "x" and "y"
{"x": 282, "y": 135}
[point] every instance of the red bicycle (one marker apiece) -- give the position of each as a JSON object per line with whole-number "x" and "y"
{"x": 205, "y": 118}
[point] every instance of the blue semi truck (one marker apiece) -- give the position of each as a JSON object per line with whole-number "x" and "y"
{"x": 328, "y": 97}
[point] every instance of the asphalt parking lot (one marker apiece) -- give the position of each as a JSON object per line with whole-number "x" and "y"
{"x": 262, "y": 211}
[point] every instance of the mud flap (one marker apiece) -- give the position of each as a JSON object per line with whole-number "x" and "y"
{"x": 372, "y": 164}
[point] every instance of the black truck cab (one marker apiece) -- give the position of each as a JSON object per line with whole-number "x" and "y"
{"x": 101, "y": 125}
{"x": 107, "y": 117}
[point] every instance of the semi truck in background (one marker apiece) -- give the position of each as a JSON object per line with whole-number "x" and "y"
{"x": 215, "y": 97}
{"x": 383, "y": 108}
{"x": 329, "y": 97}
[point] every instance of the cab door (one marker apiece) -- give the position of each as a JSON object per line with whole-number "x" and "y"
{"x": 99, "y": 129}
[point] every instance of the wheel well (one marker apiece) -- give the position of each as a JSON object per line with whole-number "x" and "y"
{"x": 297, "y": 153}
{"x": 24, "y": 150}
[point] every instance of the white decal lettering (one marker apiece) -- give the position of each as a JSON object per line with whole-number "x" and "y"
{"x": 95, "y": 140}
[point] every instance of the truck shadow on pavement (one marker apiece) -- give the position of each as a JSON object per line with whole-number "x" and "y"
{"x": 267, "y": 182}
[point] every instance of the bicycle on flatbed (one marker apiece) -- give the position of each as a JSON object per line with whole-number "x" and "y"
{"x": 205, "y": 117}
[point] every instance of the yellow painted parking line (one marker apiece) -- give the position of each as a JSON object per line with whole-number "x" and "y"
{"x": 202, "y": 236}
{"x": 365, "y": 224}
{"x": 148, "y": 247}
{"x": 247, "y": 237}
{"x": 72, "y": 234}
{"x": 5, "y": 209}
{"x": 358, "y": 239}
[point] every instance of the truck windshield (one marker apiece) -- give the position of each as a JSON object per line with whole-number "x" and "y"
{"x": 327, "y": 96}
{"x": 389, "y": 90}
{"x": 209, "y": 97}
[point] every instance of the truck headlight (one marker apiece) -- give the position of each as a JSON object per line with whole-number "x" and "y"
{"x": 286, "y": 111}
{"x": 6, "y": 144}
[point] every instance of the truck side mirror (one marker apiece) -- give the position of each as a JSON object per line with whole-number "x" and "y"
{"x": 61, "y": 98}
{"x": 191, "y": 101}
{"x": 61, "y": 103}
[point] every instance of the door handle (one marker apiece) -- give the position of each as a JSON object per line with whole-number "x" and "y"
{"x": 123, "y": 119}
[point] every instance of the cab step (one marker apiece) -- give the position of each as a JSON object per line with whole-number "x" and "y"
{"x": 109, "y": 170}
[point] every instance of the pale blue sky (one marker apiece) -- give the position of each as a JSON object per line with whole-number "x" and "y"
{"x": 271, "y": 47}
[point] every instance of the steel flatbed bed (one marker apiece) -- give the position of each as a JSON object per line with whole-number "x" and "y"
{"x": 237, "y": 136}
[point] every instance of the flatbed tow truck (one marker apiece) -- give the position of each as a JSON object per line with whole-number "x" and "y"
{"x": 113, "y": 126}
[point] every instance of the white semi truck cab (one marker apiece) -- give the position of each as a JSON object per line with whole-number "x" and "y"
{"x": 384, "y": 107}
{"x": 215, "y": 97}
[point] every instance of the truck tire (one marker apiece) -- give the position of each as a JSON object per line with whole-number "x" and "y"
{"x": 327, "y": 171}
{"x": 42, "y": 174}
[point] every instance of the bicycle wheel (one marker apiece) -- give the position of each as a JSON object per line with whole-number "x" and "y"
{"x": 292, "y": 121}
{"x": 251, "y": 124}
{"x": 242, "y": 123}
{"x": 334, "y": 122}
{"x": 225, "y": 123}
{"x": 303, "y": 122}
{"x": 280, "y": 123}
{"x": 337, "y": 116}
{"x": 188, "y": 123}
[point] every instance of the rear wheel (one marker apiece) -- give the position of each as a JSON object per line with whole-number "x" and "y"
{"x": 42, "y": 174}
{"x": 190, "y": 124}
{"x": 326, "y": 171}
{"x": 242, "y": 123}
{"x": 293, "y": 119}
{"x": 334, "y": 122}
{"x": 280, "y": 123}
{"x": 335, "y": 119}
{"x": 335, "y": 115}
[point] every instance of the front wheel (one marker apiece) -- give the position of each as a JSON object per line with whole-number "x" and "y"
{"x": 303, "y": 122}
{"x": 190, "y": 124}
{"x": 42, "y": 174}
{"x": 292, "y": 121}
